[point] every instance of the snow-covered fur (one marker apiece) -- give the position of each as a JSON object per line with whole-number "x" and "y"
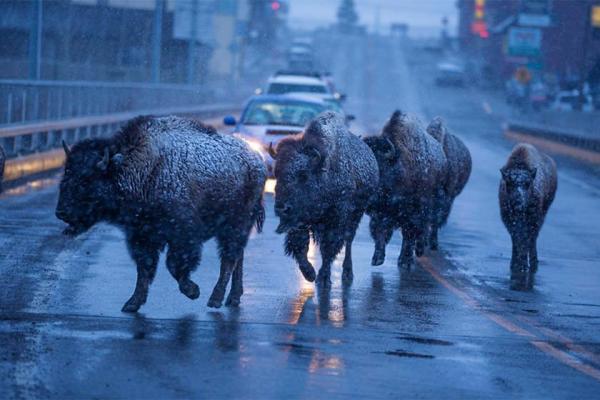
{"x": 168, "y": 181}
{"x": 412, "y": 167}
{"x": 2, "y": 162}
{"x": 527, "y": 189}
{"x": 325, "y": 178}
{"x": 458, "y": 170}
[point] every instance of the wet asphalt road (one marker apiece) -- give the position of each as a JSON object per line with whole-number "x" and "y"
{"x": 449, "y": 328}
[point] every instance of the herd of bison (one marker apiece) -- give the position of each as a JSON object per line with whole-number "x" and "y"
{"x": 175, "y": 182}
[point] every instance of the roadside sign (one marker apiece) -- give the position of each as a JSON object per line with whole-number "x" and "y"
{"x": 524, "y": 41}
{"x": 535, "y": 13}
{"x": 193, "y": 18}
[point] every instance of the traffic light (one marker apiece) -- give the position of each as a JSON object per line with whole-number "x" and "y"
{"x": 275, "y": 6}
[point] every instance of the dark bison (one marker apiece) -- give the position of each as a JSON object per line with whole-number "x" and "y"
{"x": 527, "y": 189}
{"x": 2, "y": 162}
{"x": 325, "y": 178}
{"x": 458, "y": 170}
{"x": 411, "y": 174}
{"x": 168, "y": 181}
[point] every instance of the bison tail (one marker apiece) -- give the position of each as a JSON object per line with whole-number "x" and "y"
{"x": 259, "y": 215}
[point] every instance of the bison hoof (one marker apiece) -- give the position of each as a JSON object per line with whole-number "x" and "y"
{"x": 131, "y": 306}
{"x": 308, "y": 272}
{"x": 405, "y": 262}
{"x": 347, "y": 276}
{"x": 232, "y": 301}
{"x": 214, "y": 303}
{"x": 378, "y": 259}
{"x": 189, "y": 289}
{"x": 323, "y": 280}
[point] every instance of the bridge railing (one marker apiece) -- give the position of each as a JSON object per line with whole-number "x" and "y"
{"x": 36, "y": 147}
{"x": 26, "y": 101}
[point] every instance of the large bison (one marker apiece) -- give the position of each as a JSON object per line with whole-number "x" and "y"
{"x": 325, "y": 179}
{"x": 458, "y": 170}
{"x": 168, "y": 181}
{"x": 412, "y": 168}
{"x": 527, "y": 189}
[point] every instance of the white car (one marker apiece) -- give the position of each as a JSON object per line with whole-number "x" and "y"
{"x": 305, "y": 83}
{"x": 567, "y": 101}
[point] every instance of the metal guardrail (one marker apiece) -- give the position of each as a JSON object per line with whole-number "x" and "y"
{"x": 25, "y": 101}
{"x": 36, "y": 147}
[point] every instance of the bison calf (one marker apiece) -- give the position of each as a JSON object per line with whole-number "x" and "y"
{"x": 458, "y": 170}
{"x": 325, "y": 178}
{"x": 168, "y": 181}
{"x": 411, "y": 174}
{"x": 527, "y": 189}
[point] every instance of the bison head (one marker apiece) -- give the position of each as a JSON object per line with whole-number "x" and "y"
{"x": 391, "y": 171}
{"x": 517, "y": 183}
{"x": 299, "y": 171}
{"x": 86, "y": 189}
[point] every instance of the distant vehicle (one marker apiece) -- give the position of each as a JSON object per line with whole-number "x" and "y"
{"x": 269, "y": 118}
{"x": 450, "y": 74}
{"x": 300, "y": 55}
{"x": 309, "y": 83}
{"x": 569, "y": 99}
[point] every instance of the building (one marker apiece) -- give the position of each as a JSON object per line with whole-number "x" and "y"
{"x": 552, "y": 38}
{"x": 116, "y": 39}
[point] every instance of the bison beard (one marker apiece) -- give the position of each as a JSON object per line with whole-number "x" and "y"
{"x": 457, "y": 174}
{"x": 168, "y": 181}
{"x": 527, "y": 189}
{"x": 412, "y": 167}
{"x": 325, "y": 178}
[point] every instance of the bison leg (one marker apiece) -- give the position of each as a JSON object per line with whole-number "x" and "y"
{"x": 533, "y": 258}
{"x": 347, "y": 274}
{"x": 433, "y": 237}
{"x": 296, "y": 244}
{"x": 231, "y": 246}
{"x": 237, "y": 284}
{"x": 145, "y": 255}
{"x": 181, "y": 261}
{"x": 408, "y": 248}
{"x": 518, "y": 261}
{"x": 330, "y": 246}
{"x": 381, "y": 232}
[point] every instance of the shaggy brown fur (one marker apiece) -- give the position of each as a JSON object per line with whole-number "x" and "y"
{"x": 411, "y": 174}
{"x": 457, "y": 174}
{"x": 527, "y": 189}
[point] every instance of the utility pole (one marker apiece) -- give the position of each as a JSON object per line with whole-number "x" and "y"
{"x": 192, "y": 43}
{"x": 157, "y": 39}
{"x": 35, "y": 40}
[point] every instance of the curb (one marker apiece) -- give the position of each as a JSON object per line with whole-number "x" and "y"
{"x": 564, "y": 137}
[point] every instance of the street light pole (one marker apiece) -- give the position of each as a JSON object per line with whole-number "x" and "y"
{"x": 192, "y": 44}
{"x": 35, "y": 40}
{"x": 157, "y": 39}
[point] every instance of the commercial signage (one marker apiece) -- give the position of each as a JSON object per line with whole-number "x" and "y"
{"x": 524, "y": 41}
{"x": 535, "y": 13}
{"x": 595, "y": 17}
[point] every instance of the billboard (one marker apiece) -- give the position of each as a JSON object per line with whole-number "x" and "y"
{"x": 524, "y": 41}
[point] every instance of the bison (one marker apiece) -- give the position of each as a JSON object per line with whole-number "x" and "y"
{"x": 412, "y": 169}
{"x": 168, "y": 181}
{"x": 527, "y": 189}
{"x": 325, "y": 179}
{"x": 458, "y": 170}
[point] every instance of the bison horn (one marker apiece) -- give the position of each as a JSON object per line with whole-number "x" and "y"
{"x": 66, "y": 148}
{"x": 391, "y": 153}
{"x": 272, "y": 151}
{"x": 103, "y": 164}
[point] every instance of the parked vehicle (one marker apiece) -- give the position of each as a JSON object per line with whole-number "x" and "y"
{"x": 568, "y": 100}
{"x": 449, "y": 73}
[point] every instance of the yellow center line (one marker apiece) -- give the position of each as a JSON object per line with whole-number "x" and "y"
{"x": 511, "y": 327}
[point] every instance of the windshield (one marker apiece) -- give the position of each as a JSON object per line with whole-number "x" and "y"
{"x": 282, "y": 88}
{"x": 272, "y": 113}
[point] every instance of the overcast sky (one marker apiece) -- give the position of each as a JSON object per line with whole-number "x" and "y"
{"x": 423, "y": 15}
